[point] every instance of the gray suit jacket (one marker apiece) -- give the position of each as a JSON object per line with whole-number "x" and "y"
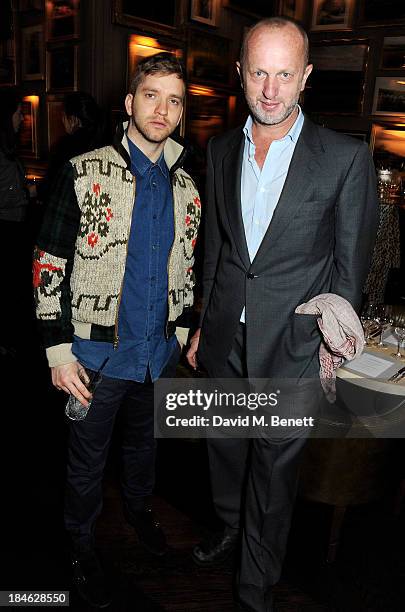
{"x": 319, "y": 240}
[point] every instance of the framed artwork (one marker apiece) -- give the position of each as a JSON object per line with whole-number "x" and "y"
{"x": 7, "y": 44}
{"x": 382, "y": 12}
{"x": 207, "y": 114}
{"x": 256, "y": 8}
{"x": 387, "y": 144}
{"x": 138, "y": 14}
{"x": 336, "y": 84}
{"x": 7, "y": 62}
{"x": 295, "y": 9}
{"x": 140, "y": 47}
{"x": 55, "y": 126}
{"x": 32, "y": 53}
{"x": 332, "y": 14}
{"x": 61, "y": 68}
{"x": 205, "y": 11}
{"x": 31, "y": 6}
{"x": 28, "y": 135}
{"x": 62, "y": 19}
{"x": 389, "y": 96}
{"x": 208, "y": 58}
{"x": 393, "y": 53}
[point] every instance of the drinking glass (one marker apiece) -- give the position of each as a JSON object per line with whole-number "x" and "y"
{"x": 399, "y": 331}
{"x": 385, "y": 319}
{"x": 368, "y": 321}
{"x": 75, "y": 411}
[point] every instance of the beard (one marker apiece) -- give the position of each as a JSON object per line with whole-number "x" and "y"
{"x": 149, "y": 133}
{"x": 266, "y": 117}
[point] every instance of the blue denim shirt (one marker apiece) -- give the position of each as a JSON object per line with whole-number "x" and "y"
{"x": 143, "y": 307}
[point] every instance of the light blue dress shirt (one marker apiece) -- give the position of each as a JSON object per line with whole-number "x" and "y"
{"x": 261, "y": 189}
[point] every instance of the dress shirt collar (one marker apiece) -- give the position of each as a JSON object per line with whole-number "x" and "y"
{"x": 293, "y": 133}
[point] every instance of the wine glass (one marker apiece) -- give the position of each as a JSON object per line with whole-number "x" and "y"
{"x": 384, "y": 318}
{"x": 399, "y": 331}
{"x": 368, "y": 321}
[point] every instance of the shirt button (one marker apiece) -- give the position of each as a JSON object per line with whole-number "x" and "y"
{"x": 153, "y": 184}
{"x": 150, "y": 307}
{"x": 250, "y": 275}
{"x": 152, "y": 278}
{"x": 154, "y": 216}
{"x": 262, "y": 189}
{"x": 153, "y": 247}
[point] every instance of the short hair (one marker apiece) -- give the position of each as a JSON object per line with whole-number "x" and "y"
{"x": 274, "y": 23}
{"x": 160, "y": 63}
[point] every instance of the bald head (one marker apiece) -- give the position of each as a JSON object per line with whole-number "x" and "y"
{"x": 275, "y": 23}
{"x": 273, "y": 70}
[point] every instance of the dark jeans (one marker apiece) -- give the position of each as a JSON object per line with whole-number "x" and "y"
{"x": 88, "y": 445}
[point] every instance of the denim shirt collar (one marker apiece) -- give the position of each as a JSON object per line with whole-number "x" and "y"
{"x": 142, "y": 163}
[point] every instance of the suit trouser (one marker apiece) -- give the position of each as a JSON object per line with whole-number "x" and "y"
{"x": 88, "y": 446}
{"x": 254, "y": 484}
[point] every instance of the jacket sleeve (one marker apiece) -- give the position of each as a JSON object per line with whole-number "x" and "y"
{"x": 212, "y": 235}
{"x": 356, "y": 221}
{"x": 53, "y": 262}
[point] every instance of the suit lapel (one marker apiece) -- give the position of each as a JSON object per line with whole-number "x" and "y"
{"x": 232, "y": 169}
{"x": 304, "y": 168}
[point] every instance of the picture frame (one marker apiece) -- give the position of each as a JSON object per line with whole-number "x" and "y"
{"x": 28, "y": 135}
{"x": 256, "y": 8}
{"x": 209, "y": 113}
{"x": 393, "y": 53}
{"x": 140, "y": 46}
{"x": 337, "y": 82}
{"x": 328, "y": 15}
{"x": 376, "y": 13}
{"x": 61, "y": 68}
{"x": 62, "y": 20}
{"x": 32, "y": 53}
{"x": 208, "y": 58}
{"x": 142, "y": 15}
{"x": 387, "y": 144}
{"x": 31, "y": 6}
{"x": 294, "y": 9}
{"x": 8, "y": 75}
{"x": 54, "y": 114}
{"x": 205, "y": 11}
{"x": 7, "y": 62}
{"x": 389, "y": 96}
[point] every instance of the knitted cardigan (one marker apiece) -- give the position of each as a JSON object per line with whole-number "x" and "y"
{"x": 80, "y": 257}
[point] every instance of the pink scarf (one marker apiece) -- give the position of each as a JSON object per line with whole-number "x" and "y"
{"x": 343, "y": 336}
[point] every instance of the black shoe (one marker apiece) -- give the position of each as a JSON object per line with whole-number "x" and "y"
{"x": 148, "y": 530}
{"x": 215, "y": 549}
{"x": 90, "y": 580}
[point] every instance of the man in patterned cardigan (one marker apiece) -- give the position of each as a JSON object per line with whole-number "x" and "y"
{"x": 113, "y": 281}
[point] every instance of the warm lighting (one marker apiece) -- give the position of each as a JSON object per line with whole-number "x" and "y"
{"x": 143, "y": 41}
{"x": 400, "y": 82}
{"x": 198, "y": 90}
{"x": 34, "y": 100}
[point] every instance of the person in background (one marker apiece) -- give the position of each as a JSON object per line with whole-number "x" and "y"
{"x": 113, "y": 278}
{"x": 83, "y": 121}
{"x": 14, "y": 238}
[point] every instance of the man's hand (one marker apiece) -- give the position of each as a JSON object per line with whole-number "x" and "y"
{"x": 72, "y": 378}
{"x": 192, "y": 351}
